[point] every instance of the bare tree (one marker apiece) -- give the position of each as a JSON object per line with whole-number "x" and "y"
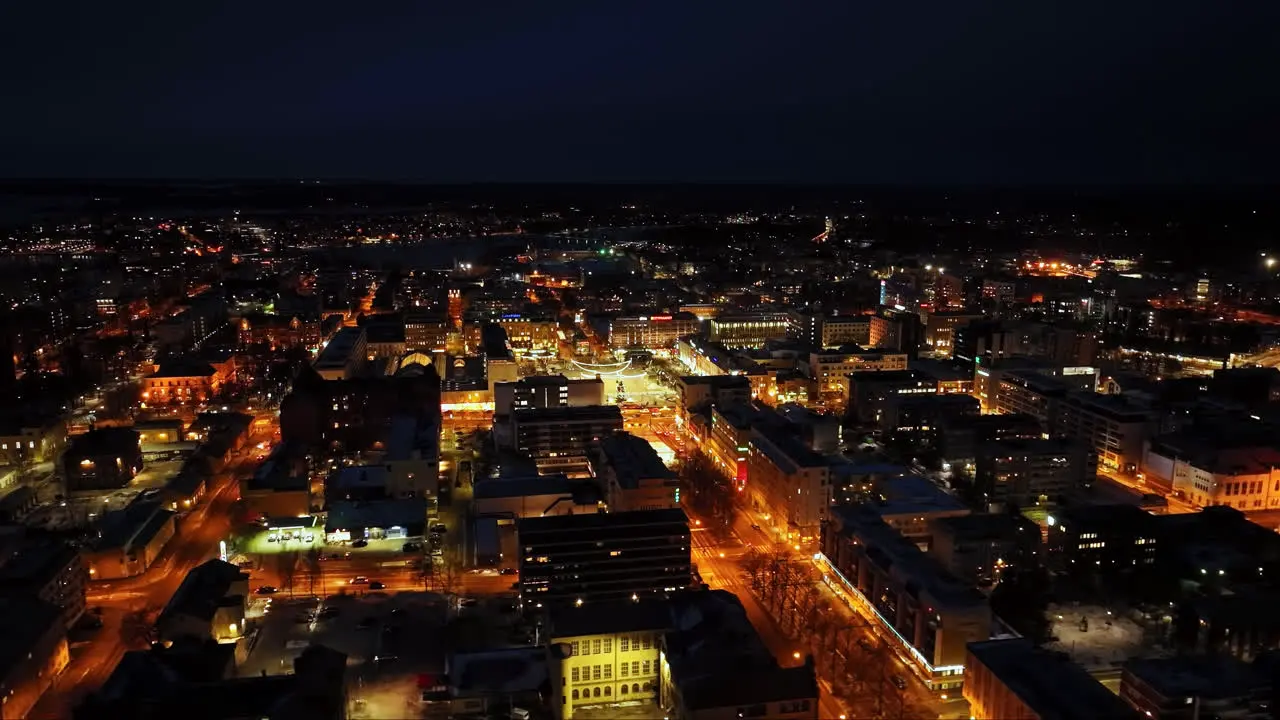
{"x": 756, "y": 566}
{"x": 446, "y": 572}
{"x": 314, "y": 569}
{"x": 287, "y": 567}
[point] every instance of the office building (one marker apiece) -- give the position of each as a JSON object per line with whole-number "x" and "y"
{"x": 426, "y": 332}
{"x": 1102, "y": 539}
{"x": 909, "y": 504}
{"x": 697, "y": 391}
{"x": 591, "y": 558}
{"x": 940, "y": 327}
{"x": 748, "y": 331}
{"x": 650, "y": 332}
{"x": 788, "y": 480}
{"x": 546, "y": 391}
{"x": 1023, "y": 392}
{"x": 830, "y": 368}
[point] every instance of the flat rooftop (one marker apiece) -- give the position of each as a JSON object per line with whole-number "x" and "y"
{"x": 633, "y": 459}
{"x": 340, "y": 348}
{"x": 914, "y": 495}
{"x": 888, "y": 546}
{"x": 1049, "y": 684}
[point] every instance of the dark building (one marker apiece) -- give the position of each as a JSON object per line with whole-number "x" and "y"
{"x": 353, "y": 415}
{"x": 1194, "y": 687}
{"x": 102, "y": 459}
{"x": 978, "y": 548}
{"x": 609, "y": 556}
{"x": 550, "y": 435}
{"x": 46, "y": 568}
{"x": 871, "y": 392}
{"x": 958, "y": 439}
{"x": 1251, "y": 387}
{"x": 1016, "y": 679}
{"x": 1034, "y": 472}
{"x": 197, "y": 680}
{"x": 1102, "y": 540}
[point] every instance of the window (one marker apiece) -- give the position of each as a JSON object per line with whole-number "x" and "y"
{"x": 595, "y": 647}
{"x": 574, "y": 675}
{"x": 608, "y": 645}
{"x": 608, "y": 691}
{"x": 575, "y": 693}
{"x": 625, "y": 643}
{"x": 624, "y": 689}
{"x": 646, "y": 667}
{"x": 647, "y": 642}
{"x": 573, "y": 648}
{"x": 635, "y": 687}
{"x": 608, "y": 672}
{"x": 595, "y": 692}
{"x": 635, "y": 667}
{"x": 595, "y": 672}
{"x": 624, "y": 670}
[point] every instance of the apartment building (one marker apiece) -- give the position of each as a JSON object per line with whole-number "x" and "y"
{"x": 928, "y": 614}
{"x": 789, "y": 482}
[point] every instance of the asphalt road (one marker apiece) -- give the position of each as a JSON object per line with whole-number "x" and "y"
{"x": 718, "y": 551}
{"x": 141, "y": 598}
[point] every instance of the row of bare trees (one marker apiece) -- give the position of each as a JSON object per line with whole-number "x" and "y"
{"x": 855, "y": 661}
{"x": 443, "y": 575}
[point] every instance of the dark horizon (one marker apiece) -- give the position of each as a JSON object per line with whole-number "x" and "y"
{"x": 935, "y": 94}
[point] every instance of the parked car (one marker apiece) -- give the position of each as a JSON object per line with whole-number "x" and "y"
{"x": 267, "y": 590}
{"x": 376, "y": 585}
{"x": 360, "y": 543}
{"x": 508, "y": 571}
{"x": 411, "y": 547}
{"x": 359, "y": 580}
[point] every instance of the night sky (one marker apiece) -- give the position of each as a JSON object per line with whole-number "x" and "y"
{"x": 850, "y": 91}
